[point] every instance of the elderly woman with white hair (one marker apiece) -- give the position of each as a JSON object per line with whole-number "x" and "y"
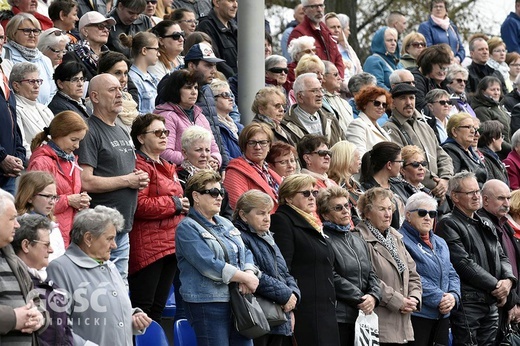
{"x": 438, "y": 104}
{"x": 32, "y": 116}
{"x": 276, "y": 71}
{"x": 52, "y": 44}
{"x": 86, "y": 269}
{"x": 456, "y": 81}
{"x": 297, "y": 49}
{"x": 440, "y": 281}
{"x": 23, "y": 33}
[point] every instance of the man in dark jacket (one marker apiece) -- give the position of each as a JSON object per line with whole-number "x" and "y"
{"x": 221, "y": 26}
{"x": 486, "y": 276}
{"x": 129, "y": 20}
{"x": 479, "y": 52}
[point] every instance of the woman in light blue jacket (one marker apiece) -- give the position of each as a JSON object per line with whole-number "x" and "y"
{"x": 440, "y": 282}
{"x": 202, "y": 239}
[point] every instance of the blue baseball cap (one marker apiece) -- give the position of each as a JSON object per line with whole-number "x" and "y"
{"x": 202, "y": 51}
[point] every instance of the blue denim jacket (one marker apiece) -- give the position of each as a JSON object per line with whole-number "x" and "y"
{"x": 147, "y": 87}
{"x": 204, "y": 273}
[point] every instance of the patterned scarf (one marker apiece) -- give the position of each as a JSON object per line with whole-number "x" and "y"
{"x": 190, "y": 168}
{"x": 61, "y": 154}
{"x": 336, "y": 226}
{"x": 311, "y": 219}
{"x": 27, "y": 53}
{"x": 83, "y": 51}
{"x": 264, "y": 173}
{"x": 389, "y": 243}
{"x": 229, "y": 123}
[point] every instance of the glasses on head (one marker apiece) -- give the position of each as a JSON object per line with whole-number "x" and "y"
{"x": 379, "y": 103}
{"x": 443, "y": 102}
{"x": 50, "y": 198}
{"x": 315, "y": 6}
{"x": 101, "y": 26}
{"x": 279, "y": 70}
{"x": 59, "y": 32}
{"x": 33, "y": 82}
{"x": 423, "y": 212}
{"x": 57, "y": 51}
{"x": 225, "y": 95}
{"x": 159, "y": 133}
{"x": 470, "y": 193}
{"x": 264, "y": 143}
{"x": 416, "y": 164}
{"x": 176, "y": 36}
{"x": 76, "y": 80}
{"x": 214, "y": 192}
{"x": 309, "y": 51}
{"x": 45, "y": 243}
{"x": 308, "y": 193}
{"x": 190, "y": 21}
{"x": 469, "y": 127}
{"x": 340, "y": 207}
{"x": 29, "y": 31}
{"x": 322, "y": 153}
{"x": 460, "y": 80}
{"x": 418, "y": 44}
{"x": 335, "y": 74}
{"x": 285, "y": 162}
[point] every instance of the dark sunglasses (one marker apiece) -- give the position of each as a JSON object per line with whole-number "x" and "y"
{"x": 418, "y": 44}
{"x": 176, "y": 35}
{"x": 443, "y": 102}
{"x": 159, "y": 133}
{"x": 151, "y": 2}
{"x": 423, "y": 212}
{"x": 340, "y": 207}
{"x": 416, "y": 164}
{"x": 214, "y": 192}
{"x": 279, "y": 70}
{"x": 308, "y": 193}
{"x": 378, "y": 103}
{"x": 460, "y": 80}
{"x": 225, "y": 94}
{"x": 322, "y": 153}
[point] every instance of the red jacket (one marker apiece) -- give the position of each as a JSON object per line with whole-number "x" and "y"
{"x": 45, "y": 22}
{"x": 512, "y": 163}
{"x": 157, "y": 214}
{"x": 241, "y": 177}
{"x": 45, "y": 159}
{"x": 326, "y": 46}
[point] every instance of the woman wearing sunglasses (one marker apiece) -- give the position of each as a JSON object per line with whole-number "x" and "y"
{"x": 413, "y": 170}
{"x": 401, "y": 292}
{"x": 160, "y": 208}
{"x": 314, "y": 156}
{"x": 202, "y": 239}
{"x": 440, "y": 281}
{"x": 171, "y": 44}
{"x": 413, "y": 44}
{"x": 52, "y": 44}
{"x": 276, "y": 72}
{"x": 299, "y": 235}
{"x": 456, "y": 81}
{"x": 357, "y": 285}
{"x": 438, "y": 103}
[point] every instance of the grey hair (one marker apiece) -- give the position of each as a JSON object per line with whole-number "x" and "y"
{"x": 456, "y": 69}
{"x": 4, "y": 198}
{"x": 454, "y": 183}
{"x": 396, "y": 76}
{"x": 192, "y": 134}
{"x": 360, "y": 80}
{"x": 305, "y": 2}
{"x": 217, "y": 84}
{"x": 418, "y": 199}
{"x": 515, "y": 140}
{"x": 475, "y": 40}
{"x": 328, "y": 66}
{"x": 29, "y": 226}
{"x": 49, "y": 39}
{"x": 273, "y": 60}
{"x": 434, "y": 94}
{"x": 21, "y": 69}
{"x": 296, "y": 45}
{"x": 343, "y": 19}
{"x": 95, "y": 221}
{"x": 299, "y": 83}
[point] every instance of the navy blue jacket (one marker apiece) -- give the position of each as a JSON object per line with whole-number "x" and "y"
{"x": 433, "y": 265}
{"x": 275, "y": 282}
{"x": 230, "y": 141}
{"x": 10, "y": 135}
{"x": 434, "y": 34}
{"x": 510, "y": 32}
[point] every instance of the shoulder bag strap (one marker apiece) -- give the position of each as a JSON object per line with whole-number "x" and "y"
{"x": 226, "y": 257}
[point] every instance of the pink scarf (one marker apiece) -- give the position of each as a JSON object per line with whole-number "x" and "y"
{"x": 444, "y": 23}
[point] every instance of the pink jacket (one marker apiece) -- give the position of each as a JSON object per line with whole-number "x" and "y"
{"x": 177, "y": 121}
{"x": 512, "y": 162}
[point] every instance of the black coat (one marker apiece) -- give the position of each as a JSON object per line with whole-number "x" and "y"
{"x": 309, "y": 259}
{"x": 463, "y": 161}
{"x": 510, "y": 100}
{"x": 10, "y": 135}
{"x": 477, "y": 72}
{"x": 495, "y": 168}
{"x": 141, "y": 24}
{"x": 60, "y": 103}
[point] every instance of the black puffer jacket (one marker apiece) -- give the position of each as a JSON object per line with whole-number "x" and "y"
{"x": 469, "y": 255}
{"x": 463, "y": 161}
{"x": 353, "y": 273}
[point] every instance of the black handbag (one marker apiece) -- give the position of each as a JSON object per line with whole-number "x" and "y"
{"x": 272, "y": 311}
{"x": 511, "y": 337}
{"x": 250, "y": 320}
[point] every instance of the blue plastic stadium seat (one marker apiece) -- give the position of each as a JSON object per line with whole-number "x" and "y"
{"x": 170, "y": 308}
{"x": 183, "y": 334}
{"x": 154, "y": 335}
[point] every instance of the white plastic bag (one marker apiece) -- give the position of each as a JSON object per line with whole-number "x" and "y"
{"x": 367, "y": 330}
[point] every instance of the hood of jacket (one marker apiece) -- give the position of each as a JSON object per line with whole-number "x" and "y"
{"x": 483, "y": 101}
{"x": 378, "y": 47}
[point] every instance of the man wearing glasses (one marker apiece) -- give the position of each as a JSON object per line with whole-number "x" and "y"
{"x": 486, "y": 276}
{"x": 312, "y": 25}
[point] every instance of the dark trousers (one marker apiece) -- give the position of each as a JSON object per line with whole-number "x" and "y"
{"x": 150, "y": 286}
{"x": 346, "y": 333}
{"x": 273, "y": 340}
{"x": 474, "y": 324}
{"x": 428, "y": 332}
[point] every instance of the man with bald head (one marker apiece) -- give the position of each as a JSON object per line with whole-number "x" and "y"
{"x": 107, "y": 158}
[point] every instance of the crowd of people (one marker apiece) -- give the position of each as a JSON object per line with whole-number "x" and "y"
{"x": 388, "y": 186}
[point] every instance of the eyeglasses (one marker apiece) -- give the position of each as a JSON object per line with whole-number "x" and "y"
{"x": 159, "y": 133}
{"x": 335, "y": 74}
{"x": 416, "y": 164}
{"x": 285, "y": 162}
{"x": 262, "y": 144}
{"x": 176, "y": 36}
{"x": 460, "y": 80}
{"x": 322, "y": 153}
{"x": 225, "y": 95}
{"x": 153, "y": 2}
{"x": 314, "y": 7}
{"x": 469, "y": 127}
{"x": 29, "y": 31}
{"x": 76, "y": 80}
{"x": 279, "y": 70}
{"x": 340, "y": 207}
{"x": 57, "y": 51}
{"x": 190, "y": 21}
{"x": 154, "y": 48}
{"x": 443, "y": 102}
{"x": 309, "y": 51}
{"x": 33, "y": 82}
{"x": 214, "y": 192}
{"x": 423, "y": 212}
{"x": 50, "y": 198}
{"x": 379, "y": 103}
{"x": 418, "y": 44}
{"x": 101, "y": 26}
{"x": 45, "y": 243}
{"x": 470, "y": 193}
{"x": 308, "y": 193}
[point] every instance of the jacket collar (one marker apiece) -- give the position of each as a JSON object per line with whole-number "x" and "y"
{"x": 80, "y": 258}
